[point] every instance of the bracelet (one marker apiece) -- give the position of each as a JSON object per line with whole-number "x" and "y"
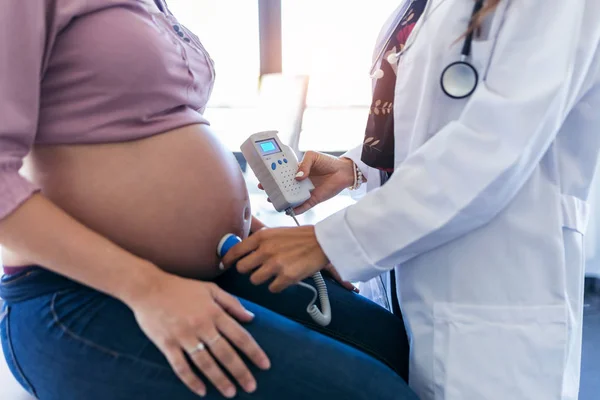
{"x": 358, "y": 177}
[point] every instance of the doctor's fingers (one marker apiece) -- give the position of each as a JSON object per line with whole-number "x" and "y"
{"x": 283, "y": 277}
{"x": 265, "y": 256}
{"x": 251, "y": 262}
{"x": 329, "y": 269}
{"x": 307, "y": 205}
{"x": 280, "y": 283}
{"x": 243, "y": 248}
{"x": 263, "y": 274}
{"x": 306, "y": 165}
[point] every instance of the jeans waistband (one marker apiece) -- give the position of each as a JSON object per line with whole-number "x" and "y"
{"x": 16, "y": 270}
{"x": 32, "y": 283}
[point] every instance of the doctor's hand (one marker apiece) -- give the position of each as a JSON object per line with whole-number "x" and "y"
{"x": 287, "y": 254}
{"x": 331, "y": 271}
{"x": 329, "y": 174}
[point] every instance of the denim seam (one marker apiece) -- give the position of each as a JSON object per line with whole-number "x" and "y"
{"x": 347, "y": 339}
{"x": 13, "y": 358}
{"x": 96, "y": 346}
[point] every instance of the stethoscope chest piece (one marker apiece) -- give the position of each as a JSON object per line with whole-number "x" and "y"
{"x": 459, "y": 80}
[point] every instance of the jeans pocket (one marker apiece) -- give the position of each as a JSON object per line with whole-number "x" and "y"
{"x": 101, "y": 327}
{"x": 9, "y": 354}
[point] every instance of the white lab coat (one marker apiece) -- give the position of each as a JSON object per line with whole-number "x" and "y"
{"x": 592, "y": 239}
{"x": 484, "y": 216}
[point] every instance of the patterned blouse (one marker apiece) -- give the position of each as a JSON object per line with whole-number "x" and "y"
{"x": 378, "y": 146}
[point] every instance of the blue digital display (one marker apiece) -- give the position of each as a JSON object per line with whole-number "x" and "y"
{"x": 268, "y": 146}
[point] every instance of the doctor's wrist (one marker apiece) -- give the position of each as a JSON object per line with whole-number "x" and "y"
{"x": 354, "y": 177}
{"x": 346, "y": 171}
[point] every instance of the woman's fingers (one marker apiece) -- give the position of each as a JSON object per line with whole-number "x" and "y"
{"x": 231, "y": 305}
{"x": 228, "y": 358}
{"x": 241, "y": 339}
{"x": 205, "y": 346}
{"x": 235, "y": 332}
{"x": 185, "y": 317}
{"x": 203, "y": 359}
{"x": 182, "y": 369}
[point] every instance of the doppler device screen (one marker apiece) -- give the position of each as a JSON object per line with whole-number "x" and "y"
{"x": 268, "y": 146}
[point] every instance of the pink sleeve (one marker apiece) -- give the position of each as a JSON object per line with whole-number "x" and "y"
{"x": 22, "y": 40}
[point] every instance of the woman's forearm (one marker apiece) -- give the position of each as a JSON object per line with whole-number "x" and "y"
{"x": 44, "y": 234}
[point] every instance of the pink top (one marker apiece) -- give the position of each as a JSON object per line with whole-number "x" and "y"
{"x": 92, "y": 71}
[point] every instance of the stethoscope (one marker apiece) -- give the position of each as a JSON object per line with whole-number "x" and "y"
{"x": 459, "y": 79}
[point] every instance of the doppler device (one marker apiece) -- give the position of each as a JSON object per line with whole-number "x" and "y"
{"x": 275, "y": 165}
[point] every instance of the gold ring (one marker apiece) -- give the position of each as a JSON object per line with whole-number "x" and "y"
{"x": 212, "y": 341}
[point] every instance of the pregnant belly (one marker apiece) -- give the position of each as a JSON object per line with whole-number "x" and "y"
{"x": 168, "y": 198}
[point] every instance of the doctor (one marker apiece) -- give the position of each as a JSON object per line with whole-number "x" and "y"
{"x": 483, "y": 217}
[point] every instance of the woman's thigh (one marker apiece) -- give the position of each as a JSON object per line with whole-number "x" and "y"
{"x": 80, "y": 344}
{"x": 356, "y": 320}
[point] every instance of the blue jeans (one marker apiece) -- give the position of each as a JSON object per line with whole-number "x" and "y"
{"x": 65, "y": 341}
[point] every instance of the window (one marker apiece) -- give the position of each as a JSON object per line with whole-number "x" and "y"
{"x": 228, "y": 29}
{"x": 332, "y": 41}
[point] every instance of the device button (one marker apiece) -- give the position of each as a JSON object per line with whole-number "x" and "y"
{"x": 273, "y": 166}
{"x": 279, "y": 161}
{"x": 285, "y": 160}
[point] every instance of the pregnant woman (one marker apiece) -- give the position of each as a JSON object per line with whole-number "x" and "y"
{"x": 114, "y": 193}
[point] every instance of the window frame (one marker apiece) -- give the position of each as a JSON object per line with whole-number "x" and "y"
{"x": 270, "y": 36}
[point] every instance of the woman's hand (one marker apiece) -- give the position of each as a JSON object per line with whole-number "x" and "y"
{"x": 286, "y": 254}
{"x": 329, "y": 174}
{"x": 198, "y": 318}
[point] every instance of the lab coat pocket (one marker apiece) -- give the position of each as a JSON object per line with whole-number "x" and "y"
{"x": 498, "y": 352}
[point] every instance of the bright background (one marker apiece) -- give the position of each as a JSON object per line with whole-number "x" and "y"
{"x": 330, "y": 40}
